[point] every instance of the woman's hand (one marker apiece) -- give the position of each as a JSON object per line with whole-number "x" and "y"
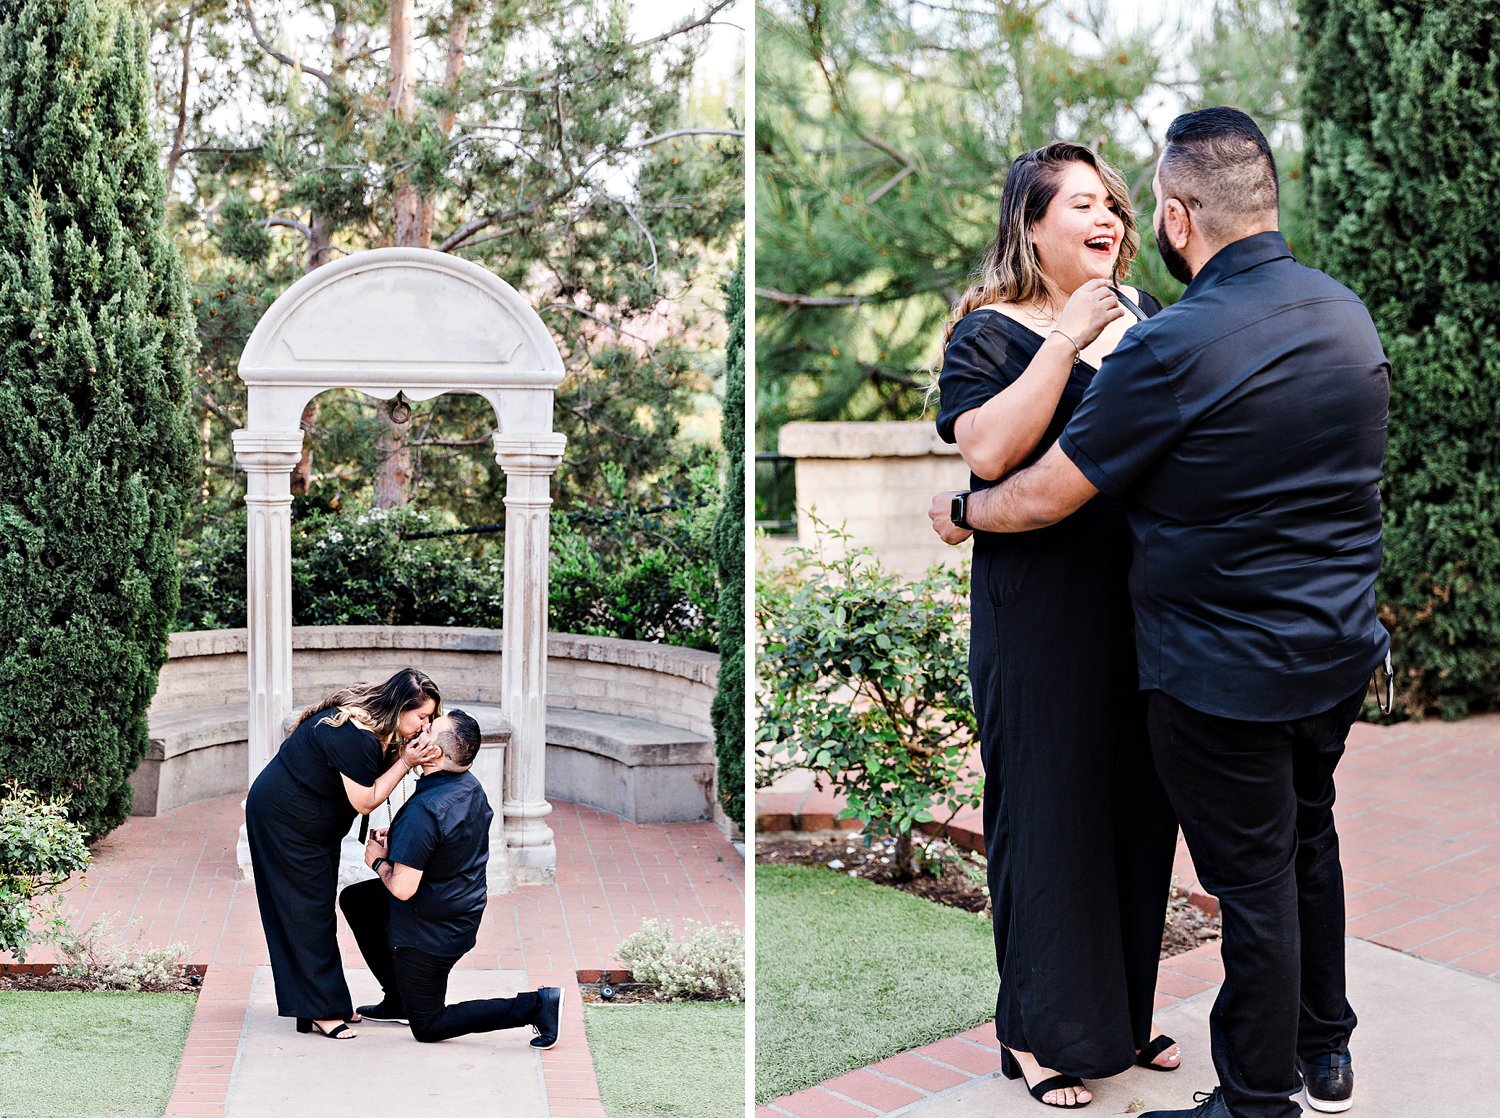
{"x": 1088, "y": 311}
{"x": 420, "y": 750}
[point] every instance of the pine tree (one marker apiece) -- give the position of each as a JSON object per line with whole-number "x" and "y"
{"x": 729, "y": 550}
{"x": 1403, "y": 151}
{"x": 597, "y": 169}
{"x": 883, "y": 136}
{"x": 95, "y": 449}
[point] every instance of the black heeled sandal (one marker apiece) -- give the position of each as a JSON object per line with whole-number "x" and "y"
{"x": 308, "y": 1025}
{"x": 1010, "y": 1067}
{"x": 1145, "y": 1057}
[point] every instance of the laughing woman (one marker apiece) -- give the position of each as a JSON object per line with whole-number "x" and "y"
{"x": 298, "y": 811}
{"x": 1078, "y": 832}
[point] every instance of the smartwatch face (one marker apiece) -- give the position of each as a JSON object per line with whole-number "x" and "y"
{"x": 958, "y": 513}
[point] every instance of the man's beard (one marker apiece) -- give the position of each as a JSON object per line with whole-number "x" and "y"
{"x": 1176, "y": 263}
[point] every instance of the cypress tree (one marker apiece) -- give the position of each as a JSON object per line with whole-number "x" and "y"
{"x": 729, "y": 550}
{"x": 95, "y": 447}
{"x": 1403, "y": 151}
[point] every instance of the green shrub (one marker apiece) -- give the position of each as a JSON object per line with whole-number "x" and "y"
{"x": 39, "y": 848}
{"x": 863, "y": 679}
{"x": 1403, "y": 153}
{"x": 96, "y": 449}
{"x": 616, "y": 570}
{"x": 729, "y": 551}
{"x": 709, "y": 964}
{"x": 648, "y": 574}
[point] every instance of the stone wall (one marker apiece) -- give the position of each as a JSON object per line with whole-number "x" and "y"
{"x": 673, "y": 686}
{"x": 199, "y": 715}
{"x": 875, "y": 481}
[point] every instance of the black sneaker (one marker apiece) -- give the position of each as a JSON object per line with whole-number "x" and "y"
{"x": 384, "y": 1011}
{"x": 1329, "y": 1081}
{"x": 548, "y": 1020}
{"x": 1211, "y": 1104}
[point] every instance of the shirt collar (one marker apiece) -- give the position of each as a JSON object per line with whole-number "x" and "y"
{"x": 1237, "y": 257}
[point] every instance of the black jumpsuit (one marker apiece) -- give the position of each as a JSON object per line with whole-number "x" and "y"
{"x": 1078, "y": 832}
{"x": 296, "y": 815}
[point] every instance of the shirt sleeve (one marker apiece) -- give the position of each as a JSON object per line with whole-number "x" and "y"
{"x": 414, "y": 836}
{"x": 979, "y": 363}
{"x": 352, "y": 751}
{"x": 1127, "y": 420}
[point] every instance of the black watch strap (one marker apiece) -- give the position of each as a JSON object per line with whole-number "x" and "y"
{"x": 375, "y": 865}
{"x": 959, "y": 512}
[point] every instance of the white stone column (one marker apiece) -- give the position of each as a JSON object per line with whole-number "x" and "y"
{"x": 529, "y": 461}
{"x": 268, "y": 458}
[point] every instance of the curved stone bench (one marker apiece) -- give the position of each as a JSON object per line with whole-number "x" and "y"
{"x": 628, "y": 727}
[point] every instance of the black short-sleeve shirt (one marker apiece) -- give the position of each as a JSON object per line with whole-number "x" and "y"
{"x": 444, "y": 831}
{"x": 1246, "y": 426}
{"x": 317, "y": 754}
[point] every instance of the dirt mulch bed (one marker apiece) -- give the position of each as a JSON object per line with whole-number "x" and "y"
{"x": 957, "y": 880}
{"x": 628, "y": 993}
{"x": 622, "y": 993}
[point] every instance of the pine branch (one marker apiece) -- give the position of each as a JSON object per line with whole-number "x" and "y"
{"x": 230, "y": 421}
{"x": 650, "y": 140}
{"x": 814, "y": 300}
{"x": 288, "y": 223}
{"x": 284, "y": 59}
{"x": 548, "y": 80}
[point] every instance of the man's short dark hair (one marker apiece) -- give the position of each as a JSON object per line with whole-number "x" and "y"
{"x": 1217, "y": 162}
{"x": 460, "y": 739}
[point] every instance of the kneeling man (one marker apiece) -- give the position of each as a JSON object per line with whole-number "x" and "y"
{"x": 422, "y": 913}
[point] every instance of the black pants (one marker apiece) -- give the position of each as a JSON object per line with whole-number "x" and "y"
{"x": 416, "y": 983}
{"x": 1255, "y": 801}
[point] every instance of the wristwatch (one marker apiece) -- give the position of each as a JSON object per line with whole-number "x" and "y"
{"x": 375, "y": 865}
{"x": 958, "y": 512}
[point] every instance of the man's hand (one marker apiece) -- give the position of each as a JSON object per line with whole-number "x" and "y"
{"x": 942, "y": 523}
{"x": 375, "y": 847}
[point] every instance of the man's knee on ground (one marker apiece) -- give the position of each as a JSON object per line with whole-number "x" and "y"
{"x": 425, "y": 1030}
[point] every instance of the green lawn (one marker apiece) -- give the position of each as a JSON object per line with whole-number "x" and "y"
{"x": 847, "y": 973}
{"x": 672, "y": 1060}
{"x": 102, "y": 1055}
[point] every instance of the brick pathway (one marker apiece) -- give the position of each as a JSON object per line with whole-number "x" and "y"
{"x": 1419, "y": 819}
{"x": 177, "y": 874}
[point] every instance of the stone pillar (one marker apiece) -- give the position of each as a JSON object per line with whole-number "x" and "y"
{"x": 529, "y": 461}
{"x": 268, "y": 458}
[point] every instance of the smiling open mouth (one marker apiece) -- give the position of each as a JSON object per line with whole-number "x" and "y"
{"x": 1099, "y": 244}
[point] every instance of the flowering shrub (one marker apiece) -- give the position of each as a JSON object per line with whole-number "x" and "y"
{"x": 39, "y": 849}
{"x": 863, "y": 679}
{"x": 708, "y": 965}
{"x": 113, "y": 965}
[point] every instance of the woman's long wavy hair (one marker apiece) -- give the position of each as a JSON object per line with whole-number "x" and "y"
{"x": 379, "y": 706}
{"x": 1010, "y": 271}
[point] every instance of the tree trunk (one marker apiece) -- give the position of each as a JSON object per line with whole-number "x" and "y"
{"x": 319, "y": 250}
{"x": 409, "y": 230}
{"x": 413, "y": 230}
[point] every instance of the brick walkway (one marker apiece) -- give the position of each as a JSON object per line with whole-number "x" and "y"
{"x": 1419, "y": 818}
{"x": 177, "y": 874}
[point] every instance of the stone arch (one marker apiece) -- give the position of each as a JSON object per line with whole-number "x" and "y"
{"x": 420, "y": 322}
